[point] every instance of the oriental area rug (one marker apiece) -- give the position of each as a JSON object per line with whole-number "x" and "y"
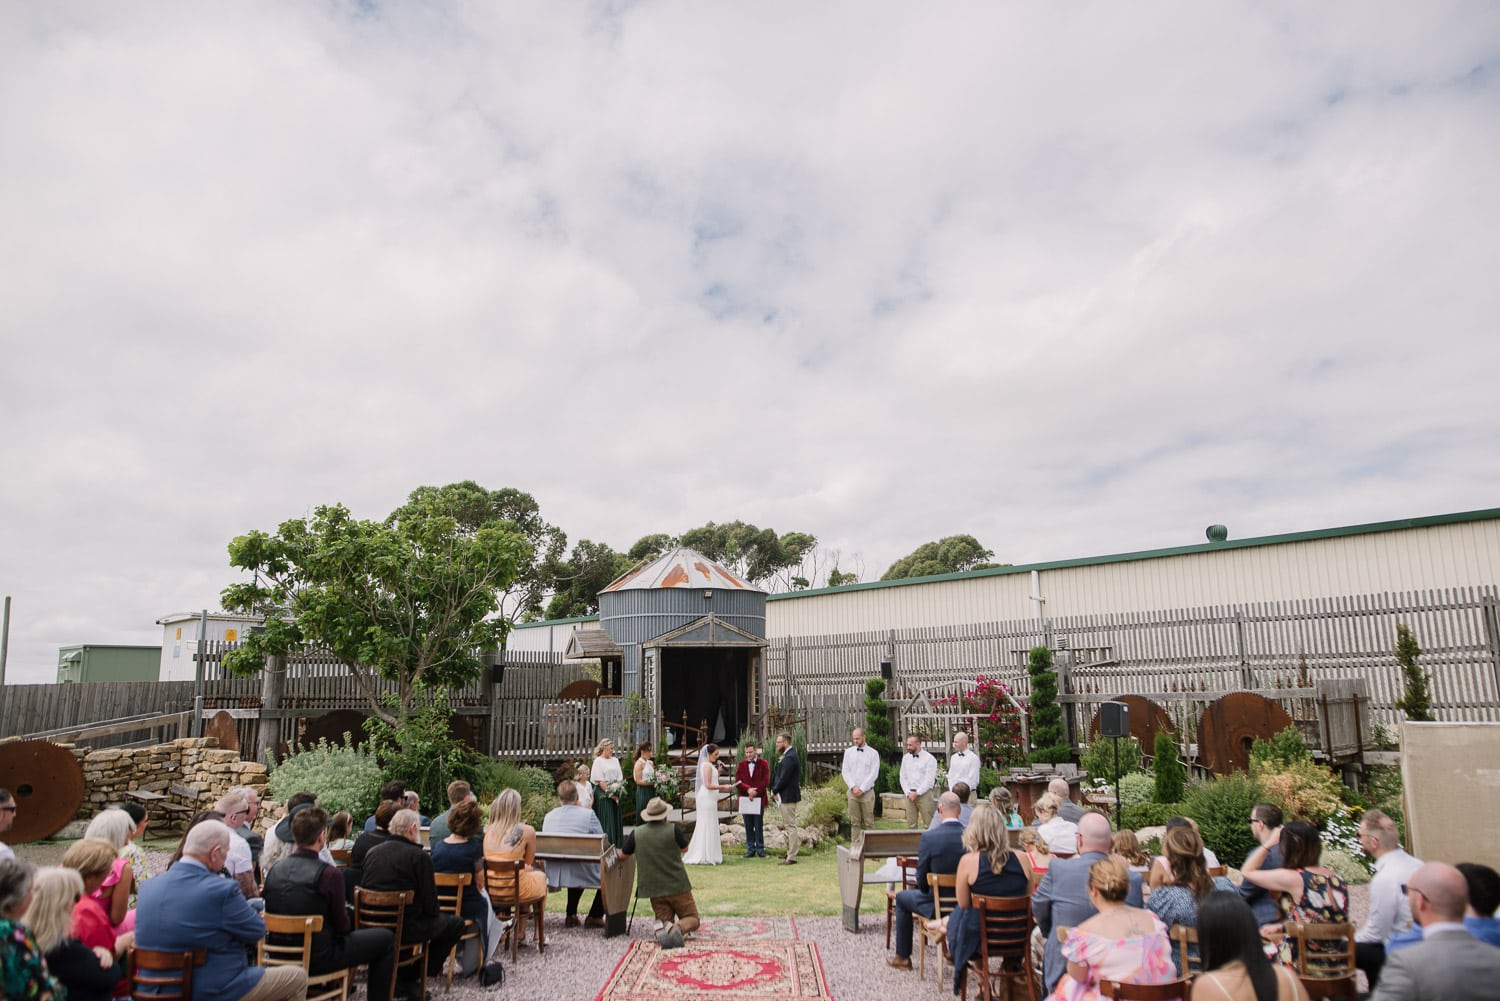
{"x": 709, "y": 970}
{"x": 720, "y": 929}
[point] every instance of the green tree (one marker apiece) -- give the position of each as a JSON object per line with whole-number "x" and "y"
{"x": 1046, "y": 715}
{"x": 758, "y": 555}
{"x": 1171, "y": 776}
{"x": 590, "y": 569}
{"x": 954, "y": 554}
{"x": 649, "y": 547}
{"x": 838, "y": 578}
{"x": 878, "y": 721}
{"x": 411, "y": 600}
{"x": 1417, "y": 700}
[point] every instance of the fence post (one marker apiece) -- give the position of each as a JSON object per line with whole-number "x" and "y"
{"x": 272, "y": 684}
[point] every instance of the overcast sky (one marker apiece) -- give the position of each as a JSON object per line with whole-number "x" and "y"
{"x": 1075, "y": 279}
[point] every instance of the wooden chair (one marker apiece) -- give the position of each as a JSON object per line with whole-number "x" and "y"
{"x": 1325, "y": 957}
{"x": 341, "y": 856}
{"x": 1187, "y": 949}
{"x": 502, "y": 877}
{"x": 162, "y": 976}
{"x": 387, "y": 909}
{"x": 322, "y": 987}
{"x": 907, "y": 864}
{"x": 1004, "y": 947}
{"x": 944, "y": 899}
{"x": 1214, "y": 872}
{"x": 1176, "y": 990}
{"x": 450, "y": 895}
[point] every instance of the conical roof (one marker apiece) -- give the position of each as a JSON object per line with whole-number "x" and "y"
{"x": 681, "y": 567}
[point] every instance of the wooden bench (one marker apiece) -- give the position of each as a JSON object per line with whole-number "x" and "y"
{"x": 851, "y": 864}
{"x": 616, "y": 871}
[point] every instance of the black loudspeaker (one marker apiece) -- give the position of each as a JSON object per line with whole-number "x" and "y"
{"x": 497, "y": 674}
{"x": 1114, "y": 719}
{"x": 887, "y": 671}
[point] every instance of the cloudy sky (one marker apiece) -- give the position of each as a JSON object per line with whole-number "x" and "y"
{"x": 1075, "y": 279}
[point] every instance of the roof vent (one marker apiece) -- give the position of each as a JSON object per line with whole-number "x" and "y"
{"x": 1217, "y": 533}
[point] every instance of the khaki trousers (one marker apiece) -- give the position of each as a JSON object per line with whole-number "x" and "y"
{"x": 861, "y": 814}
{"x": 919, "y": 811}
{"x": 279, "y": 983}
{"x": 789, "y": 828}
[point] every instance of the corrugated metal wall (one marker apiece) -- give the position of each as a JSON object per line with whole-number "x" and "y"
{"x": 633, "y": 616}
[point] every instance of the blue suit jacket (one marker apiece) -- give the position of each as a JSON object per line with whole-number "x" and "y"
{"x": 939, "y": 852}
{"x": 1062, "y": 900}
{"x": 188, "y": 907}
{"x": 788, "y": 781}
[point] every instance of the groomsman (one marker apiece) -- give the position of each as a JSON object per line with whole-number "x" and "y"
{"x": 918, "y": 775}
{"x": 751, "y": 777}
{"x": 963, "y": 766}
{"x": 786, "y": 790}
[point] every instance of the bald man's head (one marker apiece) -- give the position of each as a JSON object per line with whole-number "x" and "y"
{"x": 949, "y": 805}
{"x": 1443, "y": 891}
{"x": 1059, "y": 788}
{"x": 1094, "y": 834}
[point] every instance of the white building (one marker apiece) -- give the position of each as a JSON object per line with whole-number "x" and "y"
{"x": 179, "y": 639}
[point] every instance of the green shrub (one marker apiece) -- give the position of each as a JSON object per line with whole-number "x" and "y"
{"x": 1302, "y": 789}
{"x": 1150, "y": 814}
{"x": 1171, "y": 776}
{"x": 1046, "y": 715}
{"x": 890, "y": 780}
{"x": 825, "y": 807}
{"x": 1136, "y": 787}
{"x": 491, "y": 775}
{"x": 424, "y": 753}
{"x": 878, "y": 721}
{"x": 534, "y": 807}
{"x": 1349, "y": 868}
{"x": 989, "y": 778}
{"x": 1284, "y": 749}
{"x": 1416, "y": 699}
{"x": 1098, "y": 759}
{"x": 1222, "y": 807}
{"x": 344, "y": 777}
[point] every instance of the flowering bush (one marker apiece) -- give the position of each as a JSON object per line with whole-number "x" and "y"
{"x": 344, "y": 777}
{"x": 1302, "y": 789}
{"x": 994, "y": 725}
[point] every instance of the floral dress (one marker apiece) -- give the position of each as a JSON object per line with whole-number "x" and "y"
{"x": 23, "y": 971}
{"x": 1141, "y": 959}
{"x": 1325, "y": 899}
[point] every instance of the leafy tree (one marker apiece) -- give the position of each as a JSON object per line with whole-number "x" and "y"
{"x": 422, "y": 751}
{"x": 1171, "y": 776}
{"x": 649, "y": 547}
{"x": 1099, "y": 759}
{"x": 590, "y": 569}
{"x": 1417, "y": 701}
{"x": 1046, "y": 715}
{"x": 878, "y": 721}
{"x": 758, "y": 555}
{"x": 411, "y": 600}
{"x": 954, "y": 554}
{"x": 838, "y": 578}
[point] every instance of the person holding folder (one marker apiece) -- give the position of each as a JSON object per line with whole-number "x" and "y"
{"x": 751, "y": 779}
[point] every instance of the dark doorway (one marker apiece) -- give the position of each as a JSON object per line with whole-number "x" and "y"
{"x": 708, "y": 684}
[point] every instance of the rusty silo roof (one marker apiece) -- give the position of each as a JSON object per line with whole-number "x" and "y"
{"x": 680, "y": 567}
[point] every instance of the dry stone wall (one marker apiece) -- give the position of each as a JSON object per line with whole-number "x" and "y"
{"x": 173, "y": 781}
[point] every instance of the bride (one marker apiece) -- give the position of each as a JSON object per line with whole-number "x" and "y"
{"x": 705, "y": 848}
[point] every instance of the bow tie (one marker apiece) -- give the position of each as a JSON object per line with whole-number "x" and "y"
{"x": 860, "y": 748}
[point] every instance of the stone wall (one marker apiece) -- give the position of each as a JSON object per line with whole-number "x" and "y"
{"x": 188, "y": 775}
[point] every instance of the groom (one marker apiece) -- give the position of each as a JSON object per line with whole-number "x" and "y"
{"x": 751, "y": 777}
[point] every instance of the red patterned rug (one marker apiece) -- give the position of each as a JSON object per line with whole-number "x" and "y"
{"x": 764, "y": 970}
{"x": 739, "y": 929}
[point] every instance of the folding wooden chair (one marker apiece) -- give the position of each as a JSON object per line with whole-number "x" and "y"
{"x": 322, "y": 987}
{"x": 1177, "y": 990}
{"x": 450, "y": 895}
{"x": 1004, "y": 946}
{"x": 907, "y": 864}
{"x": 387, "y": 909}
{"x": 1215, "y": 871}
{"x": 162, "y": 976}
{"x": 1324, "y": 957}
{"x": 944, "y": 899}
{"x": 1186, "y": 940}
{"x": 503, "y": 884}
{"x": 341, "y": 856}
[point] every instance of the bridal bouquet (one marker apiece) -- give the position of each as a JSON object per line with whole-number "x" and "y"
{"x": 613, "y": 789}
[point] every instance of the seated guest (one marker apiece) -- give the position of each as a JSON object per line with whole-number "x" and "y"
{"x": 140, "y": 862}
{"x": 1037, "y": 856}
{"x": 1127, "y": 847}
{"x": 88, "y": 974}
{"x": 1308, "y": 892}
{"x": 278, "y": 841}
{"x": 1235, "y": 967}
{"x": 239, "y": 863}
{"x": 411, "y": 801}
{"x": 245, "y": 830}
{"x": 115, "y": 827}
{"x": 1001, "y": 799}
{"x": 189, "y": 907}
{"x": 92, "y": 859}
{"x": 339, "y": 827}
{"x": 1161, "y": 871}
{"x": 1065, "y": 897}
{"x": 23, "y": 970}
{"x": 462, "y": 851}
{"x": 509, "y": 837}
{"x": 938, "y": 852}
{"x": 458, "y": 792}
{"x": 1479, "y": 916}
{"x": 989, "y": 868}
{"x": 1176, "y": 903}
{"x": 1265, "y": 818}
{"x": 198, "y": 818}
{"x": 369, "y": 839}
{"x": 1449, "y": 962}
{"x": 1119, "y": 942}
{"x": 570, "y": 818}
{"x": 1060, "y": 835}
{"x": 301, "y": 883}
{"x": 965, "y": 811}
{"x": 400, "y": 864}
{"x": 1388, "y": 913}
{"x": 395, "y": 789}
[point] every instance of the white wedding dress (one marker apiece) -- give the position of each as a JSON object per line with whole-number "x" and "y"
{"x": 705, "y": 848}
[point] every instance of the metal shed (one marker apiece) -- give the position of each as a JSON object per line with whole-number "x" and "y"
{"x": 692, "y": 642}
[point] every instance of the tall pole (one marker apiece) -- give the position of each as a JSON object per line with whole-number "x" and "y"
{"x": 1117, "y": 782}
{"x": 4, "y": 651}
{"x": 198, "y": 669}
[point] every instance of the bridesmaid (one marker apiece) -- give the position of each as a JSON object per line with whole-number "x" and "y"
{"x": 645, "y": 777}
{"x": 606, "y": 776}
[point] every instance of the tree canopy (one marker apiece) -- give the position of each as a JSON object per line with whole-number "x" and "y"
{"x": 590, "y": 569}
{"x": 412, "y": 600}
{"x": 954, "y": 554}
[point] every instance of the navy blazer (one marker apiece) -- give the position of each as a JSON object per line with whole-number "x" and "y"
{"x": 788, "y": 781}
{"x": 939, "y": 851}
{"x": 187, "y": 908}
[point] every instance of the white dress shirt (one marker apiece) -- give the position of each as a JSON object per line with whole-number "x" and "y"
{"x": 1389, "y": 912}
{"x": 963, "y": 766}
{"x": 861, "y": 767}
{"x": 918, "y": 772}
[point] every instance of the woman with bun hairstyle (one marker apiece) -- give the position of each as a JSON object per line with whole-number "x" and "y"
{"x": 1120, "y": 942}
{"x": 1235, "y": 967}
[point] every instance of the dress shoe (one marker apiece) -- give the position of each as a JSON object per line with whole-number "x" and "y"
{"x": 748, "y": 855}
{"x": 899, "y": 962}
{"x": 787, "y": 861}
{"x": 593, "y": 922}
{"x": 571, "y": 921}
{"x": 760, "y": 854}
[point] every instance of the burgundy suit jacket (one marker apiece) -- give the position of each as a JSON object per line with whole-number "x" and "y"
{"x": 752, "y": 778}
